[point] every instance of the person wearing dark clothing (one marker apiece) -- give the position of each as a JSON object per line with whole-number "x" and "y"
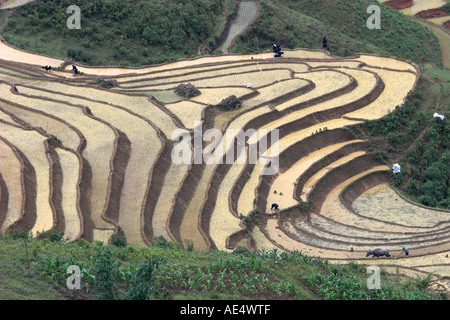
{"x": 325, "y": 43}
{"x": 277, "y": 51}
{"x": 274, "y": 206}
{"x": 405, "y": 250}
{"x": 74, "y": 69}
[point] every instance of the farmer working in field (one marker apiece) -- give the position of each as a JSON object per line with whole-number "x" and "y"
{"x": 277, "y": 51}
{"x": 405, "y": 250}
{"x": 275, "y": 206}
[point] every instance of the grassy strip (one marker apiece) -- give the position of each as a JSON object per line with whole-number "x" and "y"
{"x": 294, "y": 24}
{"x": 38, "y": 268}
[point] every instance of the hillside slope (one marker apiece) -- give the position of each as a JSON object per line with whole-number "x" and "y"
{"x": 90, "y": 154}
{"x": 177, "y": 273}
{"x": 294, "y": 24}
{"x": 116, "y": 32}
{"x": 147, "y": 32}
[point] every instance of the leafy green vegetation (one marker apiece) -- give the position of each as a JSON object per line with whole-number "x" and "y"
{"x": 143, "y": 32}
{"x": 105, "y": 273}
{"x": 169, "y": 271}
{"x": 294, "y": 24}
{"x": 446, "y": 8}
{"x": 146, "y": 32}
{"x": 429, "y": 161}
{"x": 114, "y": 32}
{"x": 416, "y": 140}
{"x": 348, "y": 287}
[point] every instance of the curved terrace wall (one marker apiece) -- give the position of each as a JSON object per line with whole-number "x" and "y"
{"x": 195, "y": 173}
{"x": 399, "y": 4}
{"x": 28, "y": 214}
{"x": 338, "y": 175}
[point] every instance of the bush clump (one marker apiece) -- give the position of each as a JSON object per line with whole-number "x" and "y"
{"x": 231, "y": 103}
{"x": 118, "y": 240}
{"x": 187, "y": 90}
{"x": 52, "y": 235}
{"x": 105, "y": 83}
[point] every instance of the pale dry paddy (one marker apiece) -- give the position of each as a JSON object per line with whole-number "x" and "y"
{"x": 127, "y": 127}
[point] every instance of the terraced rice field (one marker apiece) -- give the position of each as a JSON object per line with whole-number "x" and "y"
{"x": 69, "y": 189}
{"x": 16, "y": 55}
{"x": 91, "y": 161}
{"x": 11, "y": 166}
{"x": 419, "y": 5}
{"x": 32, "y": 144}
{"x": 439, "y": 20}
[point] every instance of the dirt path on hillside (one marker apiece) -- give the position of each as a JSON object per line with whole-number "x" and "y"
{"x": 247, "y": 13}
{"x": 13, "y": 4}
{"x": 441, "y": 33}
{"x": 444, "y": 40}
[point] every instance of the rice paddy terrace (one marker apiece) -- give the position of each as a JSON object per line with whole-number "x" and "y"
{"x": 91, "y": 161}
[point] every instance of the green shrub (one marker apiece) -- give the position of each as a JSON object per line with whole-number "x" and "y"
{"x": 435, "y": 189}
{"x": 412, "y": 187}
{"x": 381, "y": 156}
{"x": 105, "y": 83}
{"x": 427, "y": 200}
{"x": 446, "y": 8}
{"x": 79, "y": 55}
{"x": 105, "y": 272}
{"x": 162, "y": 242}
{"x": 52, "y": 235}
{"x": 242, "y": 250}
{"x": 304, "y": 207}
{"x": 83, "y": 243}
{"x": 397, "y": 179}
{"x": 415, "y": 173}
{"x": 142, "y": 284}
{"x": 18, "y": 234}
{"x": 118, "y": 240}
{"x": 189, "y": 245}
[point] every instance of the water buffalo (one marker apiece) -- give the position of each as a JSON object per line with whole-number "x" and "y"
{"x": 378, "y": 252}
